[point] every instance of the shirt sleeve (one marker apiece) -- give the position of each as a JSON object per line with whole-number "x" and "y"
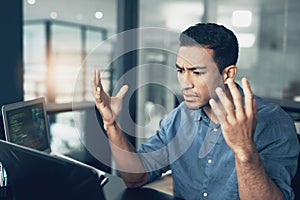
{"x": 279, "y": 149}
{"x": 154, "y": 155}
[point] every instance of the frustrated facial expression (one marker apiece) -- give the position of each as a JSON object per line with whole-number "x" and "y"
{"x": 198, "y": 75}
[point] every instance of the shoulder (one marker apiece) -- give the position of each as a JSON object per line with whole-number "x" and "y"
{"x": 270, "y": 112}
{"x": 174, "y": 115}
{"x": 274, "y": 124}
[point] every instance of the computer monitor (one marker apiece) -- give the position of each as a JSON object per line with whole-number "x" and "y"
{"x": 26, "y": 124}
{"x": 36, "y": 175}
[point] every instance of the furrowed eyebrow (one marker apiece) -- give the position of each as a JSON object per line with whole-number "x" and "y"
{"x": 192, "y": 68}
{"x": 177, "y": 66}
{"x": 196, "y": 68}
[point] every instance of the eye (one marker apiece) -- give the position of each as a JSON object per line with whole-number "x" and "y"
{"x": 198, "y": 73}
{"x": 179, "y": 70}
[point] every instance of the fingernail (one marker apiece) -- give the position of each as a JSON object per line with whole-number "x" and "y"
{"x": 98, "y": 89}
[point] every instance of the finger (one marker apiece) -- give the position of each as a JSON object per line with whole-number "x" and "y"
{"x": 97, "y": 80}
{"x": 226, "y": 102}
{"x": 122, "y": 92}
{"x": 93, "y": 83}
{"x": 98, "y": 95}
{"x": 237, "y": 98}
{"x": 254, "y": 107}
{"x": 217, "y": 110}
{"x": 248, "y": 97}
{"x": 255, "y": 110}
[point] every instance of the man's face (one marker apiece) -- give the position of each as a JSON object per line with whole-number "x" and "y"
{"x": 198, "y": 75}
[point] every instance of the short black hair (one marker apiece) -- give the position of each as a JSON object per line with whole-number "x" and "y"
{"x": 216, "y": 37}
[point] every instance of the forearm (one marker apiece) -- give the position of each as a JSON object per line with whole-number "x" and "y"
{"x": 126, "y": 157}
{"x": 253, "y": 182}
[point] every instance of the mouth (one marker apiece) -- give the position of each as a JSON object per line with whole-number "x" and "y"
{"x": 190, "y": 97}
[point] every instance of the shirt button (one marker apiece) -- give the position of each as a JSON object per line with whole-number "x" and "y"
{"x": 209, "y": 161}
{"x": 215, "y": 129}
{"x": 205, "y": 194}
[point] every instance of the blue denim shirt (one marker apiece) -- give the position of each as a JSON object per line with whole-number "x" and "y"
{"x": 203, "y": 166}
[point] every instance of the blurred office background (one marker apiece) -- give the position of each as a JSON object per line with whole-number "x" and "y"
{"x": 58, "y": 35}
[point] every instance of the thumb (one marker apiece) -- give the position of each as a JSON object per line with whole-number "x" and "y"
{"x": 122, "y": 91}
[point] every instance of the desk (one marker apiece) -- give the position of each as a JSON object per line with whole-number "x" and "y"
{"x": 115, "y": 189}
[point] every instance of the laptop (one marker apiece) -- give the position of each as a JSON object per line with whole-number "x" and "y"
{"x": 35, "y": 175}
{"x": 26, "y": 124}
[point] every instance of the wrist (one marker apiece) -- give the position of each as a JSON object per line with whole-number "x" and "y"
{"x": 108, "y": 125}
{"x": 246, "y": 156}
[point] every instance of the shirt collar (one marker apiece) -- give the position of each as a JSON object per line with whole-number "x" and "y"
{"x": 199, "y": 114}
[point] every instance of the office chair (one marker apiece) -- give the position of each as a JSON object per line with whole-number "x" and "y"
{"x": 296, "y": 180}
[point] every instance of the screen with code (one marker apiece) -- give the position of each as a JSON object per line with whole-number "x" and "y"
{"x": 27, "y": 127}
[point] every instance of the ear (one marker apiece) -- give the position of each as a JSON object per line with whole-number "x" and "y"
{"x": 229, "y": 72}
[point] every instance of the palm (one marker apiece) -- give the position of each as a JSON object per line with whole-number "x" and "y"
{"x": 109, "y": 107}
{"x": 116, "y": 105}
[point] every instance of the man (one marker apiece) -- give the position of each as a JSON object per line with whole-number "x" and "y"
{"x": 222, "y": 142}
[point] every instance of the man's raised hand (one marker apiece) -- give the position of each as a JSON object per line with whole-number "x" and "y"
{"x": 109, "y": 107}
{"x": 238, "y": 120}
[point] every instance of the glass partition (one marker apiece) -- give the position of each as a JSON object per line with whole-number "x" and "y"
{"x": 34, "y": 61}
{"x": 54, "y": 57}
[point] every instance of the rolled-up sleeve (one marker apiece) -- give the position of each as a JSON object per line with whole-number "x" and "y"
{"x": 154, "y": 155}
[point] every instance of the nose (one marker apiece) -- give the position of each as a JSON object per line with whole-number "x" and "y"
{"x": 186, "y": 81}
